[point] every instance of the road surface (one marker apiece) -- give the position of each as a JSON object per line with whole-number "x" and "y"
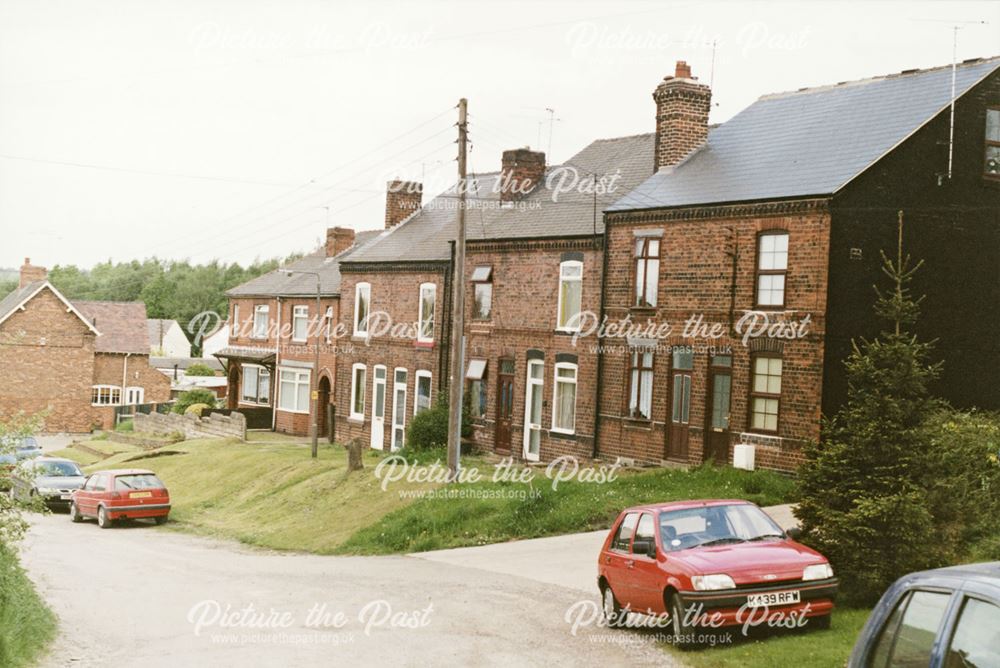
{"x": 140, "y": 595}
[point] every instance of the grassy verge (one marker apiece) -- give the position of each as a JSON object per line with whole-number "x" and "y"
{"x": 26, "y": 624}
{"x": 816, "y": 649}
{"x": 496, "y": 512}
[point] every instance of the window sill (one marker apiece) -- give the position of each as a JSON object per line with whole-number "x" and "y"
{"x": 425, "y": 345}
{"x": 642, "y": 310}
{"x": 293, "y": 412}
{"x": 566, "y": 435}
{"x": 567, "y": 332}
{"x": 640, "y": 424}
{"x": 355, "y": 419}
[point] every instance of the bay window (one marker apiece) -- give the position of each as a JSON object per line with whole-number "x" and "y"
{"x": 106, "y": 395}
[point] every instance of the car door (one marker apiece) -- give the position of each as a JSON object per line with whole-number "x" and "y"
{"x": 975, "y": 639}
{"x": 84, "y": 498}
{"x": 618, "y": 559}
{"x": 909, "y": 637}
{"x": 645, "y": 575}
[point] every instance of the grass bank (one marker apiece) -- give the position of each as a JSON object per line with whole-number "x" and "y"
{"x": 27, "y": 626}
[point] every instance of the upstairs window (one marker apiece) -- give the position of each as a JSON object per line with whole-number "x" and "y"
{"x": 428, "y": 298}
{"x": 991, "y": 165}
{"x": 647, "y": 271}
{"x": 772, "y": 265}
{"x": 570, "y": 295}
{"x": 261, "y": 316}
{"x": 234, "y": 331}
{"x": 300, "y": 322}
{"x": 329, "y": 323}
{"x": 362, "y": 305}
{"x": 482, "y": 292}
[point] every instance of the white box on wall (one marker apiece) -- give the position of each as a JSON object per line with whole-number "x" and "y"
{"x": 743, "y": 456}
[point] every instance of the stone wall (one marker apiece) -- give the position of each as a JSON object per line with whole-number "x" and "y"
{"x": 192, "y": 426}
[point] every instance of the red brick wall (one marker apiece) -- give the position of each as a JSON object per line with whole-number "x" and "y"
{"x": 47, "y": 363}
{"x": 301, "y": 423}
{"x": 695, "y": 278}
{"x": 397, "y": 294}
{"x": 109, "y": 369}
{"x": 525, "y": 298}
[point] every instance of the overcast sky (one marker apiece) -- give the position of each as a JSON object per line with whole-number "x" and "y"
{"x": 241, "y": 129}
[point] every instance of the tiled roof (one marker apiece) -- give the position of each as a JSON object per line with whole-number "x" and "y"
{"x": 547, "y": 211}
{"x": 122, "y": 326}
{"x": 11, "y": 301}
{"x": 275, "y": 283}
{"x": 810, "y": 142}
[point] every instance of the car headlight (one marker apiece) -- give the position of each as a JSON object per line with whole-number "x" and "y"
{"x": 817, "y": 572}
{"x": 712, "y": 582}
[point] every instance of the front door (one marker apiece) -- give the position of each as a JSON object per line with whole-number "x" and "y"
{"x": 720, "y": 385}
{"x": 505, "y": 406}
{"x": 533, "y": 410}
{"x": 399, "y": 409}
{"x": 680, "y": 405}
{"x": 378, "y": 408}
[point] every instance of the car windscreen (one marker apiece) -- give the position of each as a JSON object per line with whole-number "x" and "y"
{"x": 61, "y": 469}
{"x": 137, "y": 481}
{"x": 715, "y": 525}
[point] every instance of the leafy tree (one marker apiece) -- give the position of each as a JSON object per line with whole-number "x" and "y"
{"x": 12, "y": 431}
{"x": 863, "y": 501}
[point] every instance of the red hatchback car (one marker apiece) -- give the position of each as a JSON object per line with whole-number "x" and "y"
{"x": 710, "y": 564}
{"x": 121, "y": 494}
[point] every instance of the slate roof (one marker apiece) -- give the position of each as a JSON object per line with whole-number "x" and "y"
{"x": 275, "y": 284}
{"x": 425, "y": 235}
{"x": 122, "y": 326}
{"x": 11, "y": 301}
{"x": 809, "y": 142}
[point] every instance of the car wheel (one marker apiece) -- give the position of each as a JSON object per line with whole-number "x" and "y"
{"x": 682, "y": 631}
{"x": 160, "y": 521}
{"x": 103, "y": 520}
{"x": 74, "y": 513}
{"x": 613, "y": 613}
{"x": 820, "y": 622}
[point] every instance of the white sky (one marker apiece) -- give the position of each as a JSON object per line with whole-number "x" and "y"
{"x": 222, "y": 128}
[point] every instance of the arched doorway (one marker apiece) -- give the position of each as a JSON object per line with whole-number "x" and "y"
{"x": 324, "y": 401}
{"x": 233, "y": 392}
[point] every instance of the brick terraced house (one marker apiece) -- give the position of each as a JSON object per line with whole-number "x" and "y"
{"x": 76, "y": 360}
{"x": 270, "y": 357}
{"x": 782, "y": 212}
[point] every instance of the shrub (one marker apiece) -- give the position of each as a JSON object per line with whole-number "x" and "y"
{"x": 199, "y": 396}
{"x": 197, "y": 409}
{"x": 429, "y": 428}
{"x": 199, "y": 369}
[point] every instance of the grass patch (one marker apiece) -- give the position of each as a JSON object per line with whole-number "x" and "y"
{"x": 79, "y": 456}
{"x": 509, "y": 511}
{"x": 27, "y": 626}
{"x": 816, "y": 649}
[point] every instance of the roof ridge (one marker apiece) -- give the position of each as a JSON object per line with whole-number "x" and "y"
{"x": 969, "y": 62}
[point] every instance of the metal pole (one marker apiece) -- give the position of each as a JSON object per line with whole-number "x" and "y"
{"x": 458, "y": 306}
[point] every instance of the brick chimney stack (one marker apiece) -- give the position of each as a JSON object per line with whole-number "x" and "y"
{"x": 682, "y": 106}
{"x": 30, "y": 273}
{"x": 521, "y": 170}
{"x": 402, "y": 198}
{"x": 338, "y": 239}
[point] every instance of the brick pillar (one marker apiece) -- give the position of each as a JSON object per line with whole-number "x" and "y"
{"x": 520, "y": 171}
{"x": 682, "y": 106}
{"x": 402, "y": 198}
{"x": 338, "y": 239}
{"x": 30, "y": 273}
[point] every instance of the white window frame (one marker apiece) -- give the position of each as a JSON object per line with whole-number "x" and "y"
{"x": 555, "y": 394}
{"x": 329, "y": 323}
{"x": 422, "y": 373}
{"x": 257, "y": 397}
{"x": 139, "y": 393}
{"x": 296, "y": 381}
{"x": 532, "y": 385}
{"x": 354, "y": 391}
{"x": 358, "y": 289}
{"x": 398, "y": 410}
{"x": 234, "y": 326}
{"x": 257, "y": 310}
{"x": 300, "y": 312}
{"x": 421, "y": 316}
{"x": 559, "y": 304}
{"x": 110, "y": 397}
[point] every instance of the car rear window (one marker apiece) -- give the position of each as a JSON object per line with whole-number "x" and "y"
{"x": 137, "y": 481}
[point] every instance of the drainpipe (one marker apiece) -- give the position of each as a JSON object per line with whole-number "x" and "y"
{"x": 276, "y": 386}
{"x": 124, "y": 384}
{"x": 600, "y": 353}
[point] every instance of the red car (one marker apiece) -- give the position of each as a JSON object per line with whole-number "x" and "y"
{"x": 121, "y": 494}
{"x": 711, "y": 564}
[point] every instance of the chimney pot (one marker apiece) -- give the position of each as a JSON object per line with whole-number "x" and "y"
{"x": 30, "y": 273}
{"x": 683, "y": 70}
{"x": 521, "y": 170}
{"x": 338, "y": 239}
{"x": 402, "y": 198}
{"x": 682, "y": 107}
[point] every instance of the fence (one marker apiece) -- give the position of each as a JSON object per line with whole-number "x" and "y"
{"x": 129, "y": 412}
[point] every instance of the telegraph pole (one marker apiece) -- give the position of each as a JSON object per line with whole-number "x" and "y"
{"x": 458, "y": 303}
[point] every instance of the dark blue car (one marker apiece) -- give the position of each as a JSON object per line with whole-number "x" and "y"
{"x": 948, "y": 617}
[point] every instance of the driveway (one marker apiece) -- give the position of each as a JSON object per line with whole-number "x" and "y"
{"x": 139, "y": 595}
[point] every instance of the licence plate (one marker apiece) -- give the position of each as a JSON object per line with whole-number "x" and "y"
{"x": 140, "y": 495}
{"x": 66, "y": 497}
{"x": 773, "y": 598}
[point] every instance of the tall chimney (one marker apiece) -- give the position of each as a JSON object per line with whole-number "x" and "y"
{"x": 521, "y": 170}
{"x": 402, "y": 198}
{"x": 338, "y": 239}
{"x": 30, "y": 273}
{"x": 682, "y": 106}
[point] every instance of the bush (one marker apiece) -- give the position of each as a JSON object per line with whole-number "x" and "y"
{"x": 199, "y": 369}
{"x": 429, "y": 428}
{"x": 197, "y": 409}
{"x": 199, "y": 396}
{"x": 26, "y": 624}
